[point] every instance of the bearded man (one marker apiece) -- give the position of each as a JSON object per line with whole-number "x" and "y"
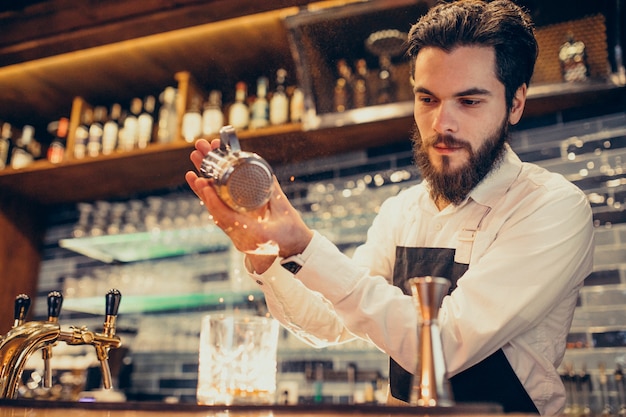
{"x": 514, "y": 240}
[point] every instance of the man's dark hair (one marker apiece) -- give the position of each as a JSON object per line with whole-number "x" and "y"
{"x": 500, "y": 24}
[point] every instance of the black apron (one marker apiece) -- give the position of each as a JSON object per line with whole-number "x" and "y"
{"x": 490, "y": 381}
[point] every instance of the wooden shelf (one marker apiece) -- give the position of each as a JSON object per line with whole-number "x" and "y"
{"x": 163, "y": 166}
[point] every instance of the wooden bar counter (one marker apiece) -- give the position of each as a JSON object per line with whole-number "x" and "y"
{"x": 31, "y": 408}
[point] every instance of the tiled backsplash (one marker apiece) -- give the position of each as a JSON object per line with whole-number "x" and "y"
{"x": 339, "y": 195}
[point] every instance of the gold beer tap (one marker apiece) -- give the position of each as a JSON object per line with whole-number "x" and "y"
{"x": 25, "y": 338}
{"x": 55, "y": 301}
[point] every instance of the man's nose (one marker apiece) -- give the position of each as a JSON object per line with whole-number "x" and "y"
{"x": 445, "y": 120}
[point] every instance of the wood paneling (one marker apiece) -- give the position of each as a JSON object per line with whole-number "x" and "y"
{"x": 21, "y": 230}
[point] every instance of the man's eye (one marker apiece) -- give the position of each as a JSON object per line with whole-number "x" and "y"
{"x": 470, "y": 102}
{"x": 426, "y": 100}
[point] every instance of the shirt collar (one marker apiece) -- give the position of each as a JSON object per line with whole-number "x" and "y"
{"x": 489, "y": 191}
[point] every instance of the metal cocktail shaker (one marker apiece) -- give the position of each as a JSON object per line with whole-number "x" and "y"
{"x": 243, "y": 180}
{"x": 430, "y": 385}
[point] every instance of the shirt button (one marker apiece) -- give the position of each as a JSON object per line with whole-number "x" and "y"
{"x": 438, "y": 227}
{"x": 259, "y": 282}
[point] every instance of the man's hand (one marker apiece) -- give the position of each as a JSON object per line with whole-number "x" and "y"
{"x": 275, "y": 229}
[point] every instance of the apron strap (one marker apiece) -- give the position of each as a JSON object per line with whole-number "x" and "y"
{"x": 467, "y": 235}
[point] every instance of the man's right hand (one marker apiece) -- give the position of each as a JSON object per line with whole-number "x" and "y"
{"x": 276, "y": 229}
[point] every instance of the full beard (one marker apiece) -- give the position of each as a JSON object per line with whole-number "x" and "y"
{"x": 451, "y": 185}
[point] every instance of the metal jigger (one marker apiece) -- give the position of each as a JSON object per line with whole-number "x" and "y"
{"x": 430, "y": 385}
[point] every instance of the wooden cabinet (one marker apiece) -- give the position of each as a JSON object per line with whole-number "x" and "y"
{"x": 54, "y": 51}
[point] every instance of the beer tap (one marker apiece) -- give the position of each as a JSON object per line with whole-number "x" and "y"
{"x": 55, "y": 301}
{"x": 25, "y": 338}
{"x": 113, "y": 299}
{"x": 102, "y": 342}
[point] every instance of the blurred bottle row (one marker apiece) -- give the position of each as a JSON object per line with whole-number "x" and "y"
{"x": 103, "y": 129}
{"x": 270, "y": 106}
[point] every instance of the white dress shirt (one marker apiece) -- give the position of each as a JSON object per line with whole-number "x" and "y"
{"x": 527, "y": 264}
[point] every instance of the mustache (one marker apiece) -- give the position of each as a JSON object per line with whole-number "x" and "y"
{"x": 446, "y": 140}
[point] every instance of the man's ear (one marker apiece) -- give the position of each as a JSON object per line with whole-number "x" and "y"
{"x": 517, "y": 107}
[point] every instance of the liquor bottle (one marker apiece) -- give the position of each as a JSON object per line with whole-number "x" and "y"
{"x": 6, "y": 145}
{"x": 279, "y": 103}
{"x": 81, "y": 135}
{"x": 192, "y": 121}
{"x": 296, "y": 106}
{"x": 96, "y": 130}
{"x": 573, "y": 59}
{"x": 168, "y": 119}
{"x": 110, "y": 130}
{"x": 129, "y": 137}
{"x": 146, "y": 122}
{"x": 260, "y": 111}
{"x": 342, "y": 98}
{"x": 212, "y": 116}
{"x": 360, "y": 90}
{"x": 386, "y": 87}
{"x": 56, "y": 150}
{"x": 239, "y": 113}
{"x": 22, "y": 157}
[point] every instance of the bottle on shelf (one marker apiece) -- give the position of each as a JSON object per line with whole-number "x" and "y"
{"x": 146, "y": 122}
{"x": 129, "y": 137}
{"x": 212, "y": 116}
{"x": 96, "y": 130}
{"x": 386, "y": 87}
{"x": 192, "y": 121}
{"x": 110, "y": 130}
{"x": 81, "y": 135}
{"x": 239, "y": 113}
{"x": 342, "y": 99}
{"x": 573, "y": 59}
{"x": 296, "y": 105}
{"x": 6, "y": 145}
{"x": 360, "y": 90}
{"x": 260, "y": 110}
{"x": 279, "y": 103}
{"x": 168, "y": 119}
{"x": 22, "y": 156}
{"x": 56, "y": 150}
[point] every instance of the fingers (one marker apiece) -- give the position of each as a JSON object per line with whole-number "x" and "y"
{"x": 206, "y": 193}
{"x": 203, "y": 147}
{"x": 223, "y": 215}
{"x": 196, "y": 158}
{"x": 191, "y": 178}
{"x": 202, "y": 188}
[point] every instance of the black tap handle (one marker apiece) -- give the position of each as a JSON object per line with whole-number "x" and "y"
{"x": 55, "y": 301}
{"x": 22, "y": 304}
{"x": 113, "y": 298}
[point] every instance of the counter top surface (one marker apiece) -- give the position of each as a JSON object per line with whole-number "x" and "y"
{"x": 67, "y": 409}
